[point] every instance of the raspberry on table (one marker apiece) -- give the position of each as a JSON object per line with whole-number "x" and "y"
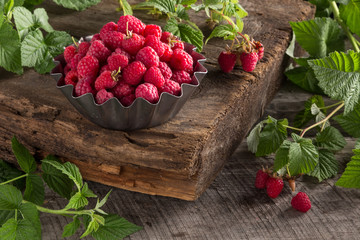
{"x": 113, "y": 40}
{"x": 274, "y": 186}
{"x": 133, "y": 73}
{"x": 171, "y": 87}
{"x": 156, "y": 44}
{"x": 154, "y": 30}
{"x": 166, "y": 57}
{"x": 128, "y": 100}
{"x": 301, "y": 202}
{"x": 261, "y": 178}
{"x": 69, "y": 53}
{"x": 132, "y": 43}
{"x": 227, "y": 61}
{"x": 88, "y": 66}
{"x": 134, "y": 24}
{"x": 181, "y": 77}
{"x": 165, "y": 70}
{"x": 82, "y": 87}
{"x": 147, "y": 91}
{"x": 108, "y": 27}
{"x": 153, "y": 75}
{"x": 181, "y": 60}
{"x": 102, "y": 96}
{"x": 248, "y": 61}
{"x": 71, "y": 78}
{"x": 116, "y": 61}
{"x": 148, "y": 57}
{"x": 122, "y": 89}
{"x": 98, "y": 50}
{"x": 106, "y": 80}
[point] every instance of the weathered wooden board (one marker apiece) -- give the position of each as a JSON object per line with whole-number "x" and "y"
{"x": 178, "y": 159}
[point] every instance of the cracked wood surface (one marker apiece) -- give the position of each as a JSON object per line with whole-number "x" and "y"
{"x": 179, "y": 158}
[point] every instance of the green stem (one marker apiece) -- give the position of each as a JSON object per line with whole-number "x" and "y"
{"x": 62, "y": 211}
{"x": 294, "y": 128}
{"x": 322, "y": 121}
{"x": 343, "y": 25}
{"x": 14, "y": 179}
{"x": 287, "y": 169}
{"x": 333, "y": 105}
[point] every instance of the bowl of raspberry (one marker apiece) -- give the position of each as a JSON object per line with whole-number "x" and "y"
{"x": 129, "y": 75}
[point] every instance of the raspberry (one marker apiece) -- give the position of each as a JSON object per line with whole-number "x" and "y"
{"x": 102, "y": 96}
{"x": 156, "y": 44}
{"x": 260, "y": 50}
{"x": 134, "y": 25}
{"x": 181, "y": 60}
{"x": 95, "y": 37}
{"x": 75, "y": 61}
{"x": 227, "y": 61}
{"x": 104, "y": 68}
{"x": 153, "y": 30}
{"x": 83, "y": 48}
{"x": 147, "y": 91}
{"x": 274, "y": 186}
{"x": 82, "y": 87}
{"x": 165, "y": 70}
{"x": 181, "y": 77}
{"x": 106, "y": 80}
{"x": 301, "y": 202}
{"x": 69, "y": 53}
{"x": 166, "y": 37}
{"x": 248, "y": 61}
{"x": 98, "y": 50}
{"x": 113, "y": 40}
{"x": 122, "y": 90}
{"x": 67, "y": 69}
{"x": 166, "y": 57}
{"x": 148, "y": 57}
{"x": 177, "y": 44}
{"x": 109, "y": 27}
{"x": 123, "y": 52}
{"x": 171, "y": 87}
{"x": 90, "y": 80}
{"x": 128, "y": 100}
{"x": 153, "y": 75}
{"x": 261, "y": 178}
{"x": 134, "y": 72}
{"x": 71, "y": 78}
{"x": 116, "y": 61}
{"x": 132, "y": 43}
{"x": 88, "y": 66}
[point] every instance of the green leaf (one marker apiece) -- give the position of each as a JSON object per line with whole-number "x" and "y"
{"x": 331, "y": 139}
{"x": 10, "y": 55}
{"x": 8, "y": 172}
{"x": 77, "y": 5}
{"x": 188, "y": 2}
{"x": 23, "y": 156}
{"x": 33, "y": 49}
{"x": 357, "y": 145}
{"x": 10, "y": 197}
{"x": 103, "y": 201}
{"x": 30, "y": 212}
{"x": 319, "y": 115}
{"x": 126, "y": 7}
{"x": 86, "y": 192}
{"x": 69, "y": 169}
{"x": 304, "y": 116}
{"x": 115, "y": 227}
{"x": 319, "y": 37}
{"x": 327, "y": 167}
{"x": 34, "y": 191}
{"x": 71, "y": 228}
{"x": 339, "y": 77}
{"x": 164, "y": 6}
{"x": 350, "y": 122}
{"x": 182, "y": 13}
{"x": 6, "y": 215}
{"x": 254, "y": 137}
{"x": 8, "y": 230}
{"x": 191, "y": 35}
{"x": 77, "y": 201}
{"x": 24, "y": 21}
{"x": 222, "y": 31}
{"x": 46, "y": 64}
{"x": 303, "y": 155}
{"x": 282, "y": 156}
{"x": 351, "y": 176}
{"x": 272, "y": 136}
{"x": 91, "y": 227}
{"x": 41, "y": 19}
{"x": 350, "y": 13}
{"x": 56, "y": 180}
{"x": 304, "y": 77}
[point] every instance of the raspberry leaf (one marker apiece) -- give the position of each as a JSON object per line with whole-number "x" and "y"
{"x": 254, "y": 137}
{"x": 30, "y": 212}
{"x": 77, "y": 5}
{"x": 6, "y": 215}
{"x": 10, "y": 54}
{"x": 351, "y": 176}
{"x": 319, "y": 37}
{"x": 19, "y": 230}
{"x": 165, "y": 6}
{"x": 46, "y": 64}
{"x": 304, "y": 77}
{"x": 10, "y": 197}
{"x": 222, "y": 31}
{"x": 327, "y": 167}
{"x": 34, "y": 191}
{"x": 339, "y": 77}
{"x": 303, "y": 155}
{"x": 25, "y": 159}
{"x": 282, "y": 156}
{"x": 126, "y": 7}
{"x": 331, "y": 139}
{"x": 71, "y": 228}
{"x": 304, "y": 116}
{"x": 8, "y": 172}
{"x": 350, "y": 13}
{"x": 33, "y": 49}
{"x": 41, "y": 19}
{"x": 350, "y": 122}
{"x": 77, "y": 201}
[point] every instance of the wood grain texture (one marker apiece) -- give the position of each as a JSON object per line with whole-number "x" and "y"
{"x": 192, "y": 148}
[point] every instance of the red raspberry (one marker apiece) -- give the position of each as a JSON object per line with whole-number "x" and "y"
{"x": 301, "y": 202}
{"x": 153, "y": 75}
{"x": 71, "y": 78}
{"x": 261, "y": 178}
{"x": 90, "y": 80}
{"x": 165, "y": 70}
{"x": 83, "y": 48}
{"x": 134, "y": 72}
{"x": 82, "y": 87}
{"x": 128, "y": 100}
{"x": 88, "y": 66}
{"x": 104, "y": 68}
{"x": 259, "y": 49}
{"x": 148, "y": 57}
{"x": 134, "y": 25}
{"x": 227, "y": 61}
{"x": 116, "y": 61}
{"x": 171, "y": 87}
{"x": 98, "y": 50}
{"x": 132, "y": 43}
{"x": 67, "y": 69}
{"x": 181, "y": 60}
{"x": 166, "y": 57}
{"x": 69, "y": 53}
{"x": 113, "y": 40}
{"x": 274, "y": 186}
{"x": 95, "y": 37}
{"x": 156, "y": 44}
{"x": 147, "y": 91}
{"x": 152, "y": 29}
{"x": 123, "y": 52}
{"x": 75, "y": 61}
{"x": 106, "y": 80}
{"x": 102, "y": 96}
{"x": 109, "y": 27}
{"x": 248, "y": 61}
{"x": 166, "y": 37}
{"x": 181, "y": 77}
{"x": 122, "y": 89}
{"x": 177, "y": 44}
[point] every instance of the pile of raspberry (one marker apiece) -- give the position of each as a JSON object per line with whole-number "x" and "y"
{"x": 128, "y": 60}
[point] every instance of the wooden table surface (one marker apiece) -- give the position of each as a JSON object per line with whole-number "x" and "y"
{"x": 232, "y": 208}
